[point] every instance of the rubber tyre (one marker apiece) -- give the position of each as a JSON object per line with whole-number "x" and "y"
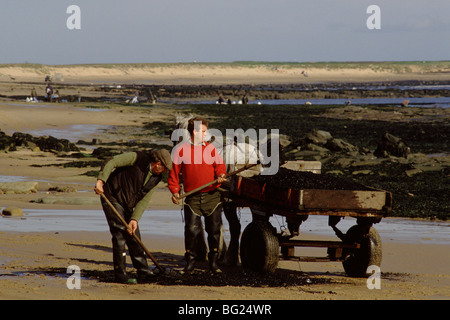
{"x": 259, "y": 247}
{"x": 356, "y": 261}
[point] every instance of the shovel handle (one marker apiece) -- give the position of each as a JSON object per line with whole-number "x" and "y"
{"x": 248, "y": 166}
{"x": 133, "y": 234}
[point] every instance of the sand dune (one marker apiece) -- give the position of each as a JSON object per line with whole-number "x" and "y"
{"x": 227, "y": 73}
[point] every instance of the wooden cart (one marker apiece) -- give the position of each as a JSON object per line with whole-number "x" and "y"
{"x": 358, "y": 248}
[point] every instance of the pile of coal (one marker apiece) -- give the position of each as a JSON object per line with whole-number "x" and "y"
{"x": 286, "y": 178}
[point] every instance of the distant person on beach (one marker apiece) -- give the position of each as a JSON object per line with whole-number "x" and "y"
{"x": 56, "y": 96}
{"x": 48, "y": 93}
{"x": 244, "y": 99}
{"x": 128, "y": 181}
{"x": 199, "y": 163}
{"x": 34, "y": 96}
{"x": 136, "y": 97}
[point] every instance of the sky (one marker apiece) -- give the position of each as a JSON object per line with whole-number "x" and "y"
{"x": 167, "y": 31}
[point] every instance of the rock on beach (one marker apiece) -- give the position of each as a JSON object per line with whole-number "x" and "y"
{"x": 21, "y": 187}
{"x": 68, "y": 200}
{"x": 12, "y": 212}
{"x": 43, "y": 143}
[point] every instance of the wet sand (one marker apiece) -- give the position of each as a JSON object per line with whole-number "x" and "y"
{"x": 33, "y": 265}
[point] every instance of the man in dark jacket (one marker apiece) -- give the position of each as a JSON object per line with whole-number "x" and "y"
{"x": 128, "y": 181}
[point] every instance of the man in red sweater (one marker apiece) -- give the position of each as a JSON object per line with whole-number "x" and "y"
{"x": 199, "y": 163}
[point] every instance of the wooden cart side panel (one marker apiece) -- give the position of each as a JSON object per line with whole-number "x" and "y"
{"x": 277, "y": 197}
{"x": 249, "y": 188}
{"x": 312, "y": 199}
{"x": 343, "y": 200}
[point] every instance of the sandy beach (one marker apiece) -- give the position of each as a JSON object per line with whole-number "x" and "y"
{"x": 33, "y": 265}
{"x": 226, "y": 73}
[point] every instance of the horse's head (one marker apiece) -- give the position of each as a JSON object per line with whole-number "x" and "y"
{"x": 181, "y": 123}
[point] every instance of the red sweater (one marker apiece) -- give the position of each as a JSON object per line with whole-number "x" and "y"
{"x": 199, "y": 165}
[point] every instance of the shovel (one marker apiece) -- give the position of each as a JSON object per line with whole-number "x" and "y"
{"x": 160, "y": 268}
{"x": 246, "y": 167}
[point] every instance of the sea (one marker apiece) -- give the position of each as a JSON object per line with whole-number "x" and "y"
{"x": 433, "y": 102}
{"x": 171, "y": 223}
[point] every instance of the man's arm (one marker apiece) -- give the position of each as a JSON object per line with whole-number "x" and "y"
{"x": 142, "y": 205}
{"x": 220, "y": 168}
{"x": 173, "y": 181}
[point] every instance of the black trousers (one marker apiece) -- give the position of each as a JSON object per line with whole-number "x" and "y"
{"x": 122, "y": 239}
{"x": 193, "y": 223}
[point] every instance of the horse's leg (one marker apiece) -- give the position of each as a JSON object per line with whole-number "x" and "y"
{"x": 232, "y": 255}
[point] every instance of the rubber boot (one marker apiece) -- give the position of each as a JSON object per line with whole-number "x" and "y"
{"x": 120, "y": 273}
{"x": 145, "y": 276}
{"x": 139, "y": 260}
{"x": 190, "y": 262}
{"x": 213, "y": 267}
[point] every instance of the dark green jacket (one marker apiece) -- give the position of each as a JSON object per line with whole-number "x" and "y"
{"x": 129, "y": 181}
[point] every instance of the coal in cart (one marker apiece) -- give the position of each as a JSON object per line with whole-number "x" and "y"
{"x": 297, "y": 193}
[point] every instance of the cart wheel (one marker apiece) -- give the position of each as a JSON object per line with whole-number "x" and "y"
{"x": 356, "y": 261}
{"x": 259, "y": 247}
